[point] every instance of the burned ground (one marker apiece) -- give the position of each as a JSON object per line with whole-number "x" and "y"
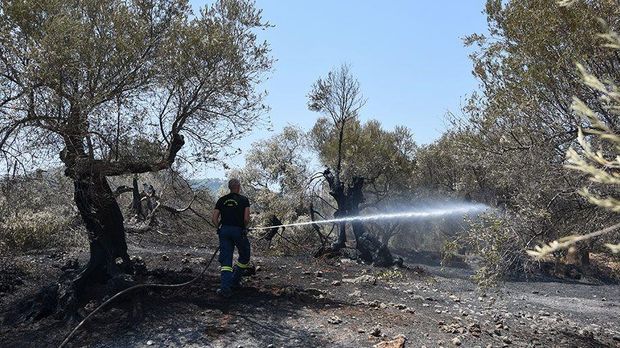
{"x": 307, "y": 302}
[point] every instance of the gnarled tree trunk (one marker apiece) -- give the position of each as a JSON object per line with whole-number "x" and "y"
{"x": 108, "y": 268}
{"x": 136, "y": 200}
{"x": 371, "y": 249}
{"x": 109, "y": 262}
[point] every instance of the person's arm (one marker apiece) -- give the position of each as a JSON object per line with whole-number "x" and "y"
{"x": 246, "y": 216}
{"x": 215, "y": 218}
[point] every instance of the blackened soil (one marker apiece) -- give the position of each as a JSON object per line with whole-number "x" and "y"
{"x": 307, "y": 302}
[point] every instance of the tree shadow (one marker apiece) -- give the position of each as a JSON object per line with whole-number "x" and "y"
{"x": 254, "y": 316}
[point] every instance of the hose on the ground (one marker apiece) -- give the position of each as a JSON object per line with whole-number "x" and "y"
{"x": 155, "y": 285}
{"x": 135, "y": 287}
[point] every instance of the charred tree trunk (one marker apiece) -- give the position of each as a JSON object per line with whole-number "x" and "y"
{"x": 109, "y": 267}
{"x": 102, "y": 217}
{"x": 136, "y": 201}
{"x": 371, "y": 249}
{"x": 109, "y": 262}
{"x": 342, "y": 205}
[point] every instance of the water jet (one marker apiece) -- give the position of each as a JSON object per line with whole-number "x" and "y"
{"x": 458, "y": 209}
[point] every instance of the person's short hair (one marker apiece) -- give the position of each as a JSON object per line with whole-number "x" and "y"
{"x": 233, "y": 183}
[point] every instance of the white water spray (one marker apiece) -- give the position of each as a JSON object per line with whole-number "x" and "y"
{"x": 415, "y": 214}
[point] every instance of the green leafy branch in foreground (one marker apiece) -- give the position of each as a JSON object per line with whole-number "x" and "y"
{"x": 594, "y": 163}
{"x": 542, "y": 252}
{"x": 566, "y": 3}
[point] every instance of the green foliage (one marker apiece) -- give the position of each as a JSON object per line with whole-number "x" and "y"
{"x": 520, "y": 126}
{"x": 509, "y": 148}
{"x": 275, "y": 174}
{"x": 449, "y": 168}
{"x": 127, "y": 84}
{"x": 384, "y": 158}
{"x": 599, "y": 165}
{"x": 499, "y": 242}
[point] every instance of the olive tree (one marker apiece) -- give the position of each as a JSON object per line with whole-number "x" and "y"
{"x": 361, "y": 160}
{"x": 275, "y": 173}
{"x": 338, "y": 96}
{"x": 274, "y": 178}
{"x": 520, "y": 124}
{"x": 117, "y": 87}
{"x": 597, "y": 153}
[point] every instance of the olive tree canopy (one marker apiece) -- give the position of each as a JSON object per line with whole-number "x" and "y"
{"x": 120, "y": 86}
{"x": 123, "y": 86}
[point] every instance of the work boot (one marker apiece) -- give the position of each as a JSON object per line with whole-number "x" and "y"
{"x": 225, "y": 293}
{"x": 243, "y": 272}
{"x": 248, "y": 272}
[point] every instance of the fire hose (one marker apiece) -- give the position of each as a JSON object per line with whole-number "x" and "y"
{"x": 142, "y": 286}
{"x": 412, "y": 214}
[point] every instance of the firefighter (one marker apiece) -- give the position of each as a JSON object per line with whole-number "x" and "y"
{"x": 231, "y": 215}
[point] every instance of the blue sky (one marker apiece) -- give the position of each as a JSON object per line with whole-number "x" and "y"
{"x": 407, "y": 55}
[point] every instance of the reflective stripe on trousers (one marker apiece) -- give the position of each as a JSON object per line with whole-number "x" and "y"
{"x": 231, "y": 237}
{"x": 242, "y": 265}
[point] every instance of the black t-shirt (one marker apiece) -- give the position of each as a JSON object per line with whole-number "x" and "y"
{"x": 232, "y": 207}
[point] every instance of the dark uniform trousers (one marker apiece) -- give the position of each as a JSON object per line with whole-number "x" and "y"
{"x": 231, "y": 237}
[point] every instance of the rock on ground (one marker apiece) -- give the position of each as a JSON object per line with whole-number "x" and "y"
{"x": 397, "y": 342}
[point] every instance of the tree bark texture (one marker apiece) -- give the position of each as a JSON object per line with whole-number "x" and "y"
{"x": 371, "y": 249}
{"x": 108, "y": 247}
{"x": 136, "y": 200}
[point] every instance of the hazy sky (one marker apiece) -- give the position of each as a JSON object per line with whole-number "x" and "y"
{"x": 407, "y": 54}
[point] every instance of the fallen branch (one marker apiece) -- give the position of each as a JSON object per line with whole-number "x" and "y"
{"x": 148, "y": 222}
{"x": 176, "y": 211}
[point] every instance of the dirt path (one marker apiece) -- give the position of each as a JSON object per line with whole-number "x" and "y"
{"x": 305, "y": 302}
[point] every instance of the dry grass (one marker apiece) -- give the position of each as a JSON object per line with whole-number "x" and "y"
{"x": 39, "y": 230}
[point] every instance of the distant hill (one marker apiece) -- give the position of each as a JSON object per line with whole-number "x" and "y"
{"x": 211, "y": 184}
